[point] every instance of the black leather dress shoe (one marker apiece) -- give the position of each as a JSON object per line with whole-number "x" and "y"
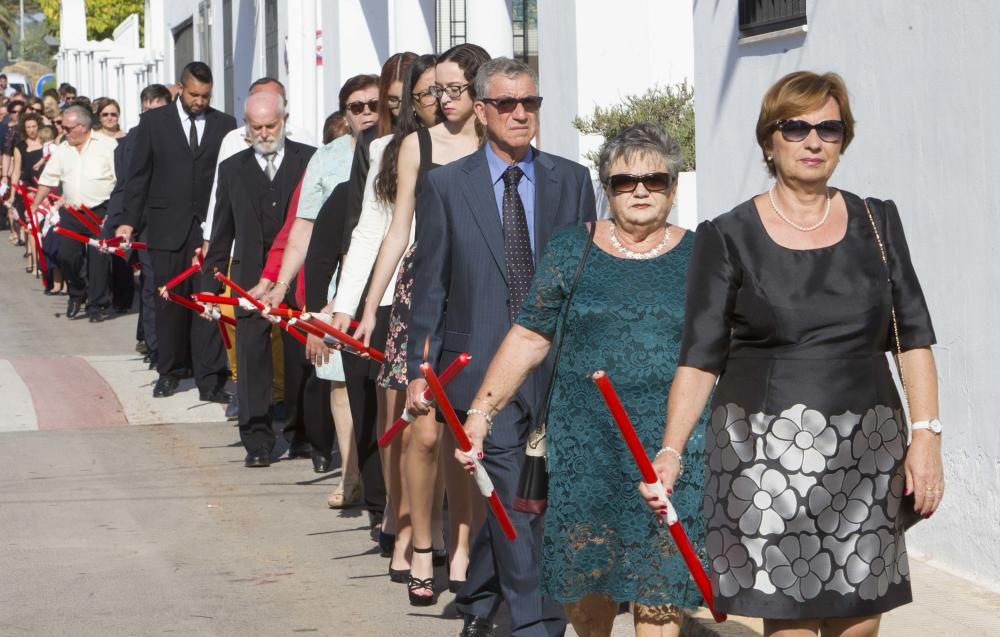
{"x": 96, "y": 316}
{"x": 256, "y": 459}
{"x": 299, "y": 450}
{"x": 321, "y": 463}
{"x": 477, "y": 627}
{"x": 72, "y": 308}
{"x": 233, "y": 409}
{"x": 217, "y": 395}
{"x": 165, "y": 386}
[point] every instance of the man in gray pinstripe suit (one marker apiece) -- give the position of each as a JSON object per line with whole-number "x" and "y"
{"x": 476, "y": 219}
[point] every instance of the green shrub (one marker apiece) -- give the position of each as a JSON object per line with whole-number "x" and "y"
{"x": 671, "y": 107}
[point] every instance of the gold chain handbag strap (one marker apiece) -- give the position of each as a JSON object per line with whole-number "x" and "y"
{"x": 895, "y": 325}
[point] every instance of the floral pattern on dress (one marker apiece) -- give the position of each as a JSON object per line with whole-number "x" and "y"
{"x": 731, "y": 566}
{"x": 841, "y": 502}
{"x": 393, "y": 372}
{"x": 872, "y": 567}
{"x": 880, "y": 443}
{"x": 733, "y": 443}
{"x": 797, "y": 567}
{"x": 801, "y": 440}
{"x": 762, "y": 501}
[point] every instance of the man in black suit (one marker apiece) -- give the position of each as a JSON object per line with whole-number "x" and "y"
{"x": 169, "y": 182}
{"x": 252, "y": 197}
{"x": 153, "y": 96}
{"x": 482, "y": 224}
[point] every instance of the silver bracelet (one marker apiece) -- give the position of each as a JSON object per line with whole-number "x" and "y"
{"x": 675, "y": 453}
{"x": 488, "y": 418}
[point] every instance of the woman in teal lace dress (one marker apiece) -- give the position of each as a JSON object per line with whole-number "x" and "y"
{"x": 601, "y": 546}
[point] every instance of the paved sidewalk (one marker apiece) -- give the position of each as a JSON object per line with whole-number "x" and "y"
{"x": 125, "y": 515}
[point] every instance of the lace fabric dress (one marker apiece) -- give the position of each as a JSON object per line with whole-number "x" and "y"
{"x": 807, "y": 438}
{"x": 626, "y": 318}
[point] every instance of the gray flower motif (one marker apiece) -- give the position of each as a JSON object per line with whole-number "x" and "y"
{"x": 841, "y": 503}
{"x": 872, "y": 567}
{"x": 878, "y": 445}
{"x": 731, "y": 562}
{"x": 731, "y": 433}
{"x": 801, "y": 440}
{"x": 797, "y": 567}
{"x": 762, "y": 501}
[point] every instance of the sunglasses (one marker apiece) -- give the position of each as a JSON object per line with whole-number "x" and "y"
{"x": 16, "y": 111}
{"x": 358, "y": 108}
{"x": 796, "y": 130}
{"x": 426, "y": 98}
{"x": 454, "y": 91}
{"x": 624, "y": 182}
{"x": 109, "y": 114}
{"x": 507, "y": 105}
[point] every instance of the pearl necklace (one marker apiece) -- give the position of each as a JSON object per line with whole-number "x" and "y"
{"x": 826, "y": 214}
{"x": 629, "y": 254}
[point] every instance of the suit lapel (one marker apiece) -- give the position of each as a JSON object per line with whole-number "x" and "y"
{"x": 483, "y": 203}
{"x": 546, "y": 201}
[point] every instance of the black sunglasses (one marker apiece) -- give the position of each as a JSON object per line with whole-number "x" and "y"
{"x": 795, "y": 130}
{"x": 624, "y": 182}
{"x": 506, "y": 105}
{"x": 358, "y": 108}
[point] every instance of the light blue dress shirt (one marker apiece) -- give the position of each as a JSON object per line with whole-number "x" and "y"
{"x": 525, "y": 187}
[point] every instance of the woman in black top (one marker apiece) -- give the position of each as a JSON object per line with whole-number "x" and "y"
{"x": 28, "y": 165}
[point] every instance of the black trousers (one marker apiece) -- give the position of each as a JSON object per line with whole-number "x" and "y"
{"x": 72, "y": 262}
{"x": 146, "y": 326}
{"x": 307, "y": 399}
{"x": 98, "y": 269}
{"x": 255, "y": 369}
{"x": 501, "y": 570}
{"x": 183, "y": 340}
{"x": 122, "y": 282}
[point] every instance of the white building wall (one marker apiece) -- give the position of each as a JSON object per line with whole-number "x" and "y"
{"x": 920, "y": 76}
{"x": 589, "y": 56}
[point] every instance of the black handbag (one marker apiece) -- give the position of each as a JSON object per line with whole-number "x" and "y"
{"x": 532, "y": 494}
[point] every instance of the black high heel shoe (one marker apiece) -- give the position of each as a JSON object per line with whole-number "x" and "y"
{"x": 413, "y": 585}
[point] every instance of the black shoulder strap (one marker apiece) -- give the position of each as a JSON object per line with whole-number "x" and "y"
{"x": 561, "y": 326}
{"x": 426, "y": 150}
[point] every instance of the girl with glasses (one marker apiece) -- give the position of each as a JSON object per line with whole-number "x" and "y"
{"x": 398, "y": 182}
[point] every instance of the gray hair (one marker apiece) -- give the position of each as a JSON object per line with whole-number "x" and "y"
{"x": 645, "y": 138}
{"x": 507, "y": 67}
{"x": 83, "y": 115}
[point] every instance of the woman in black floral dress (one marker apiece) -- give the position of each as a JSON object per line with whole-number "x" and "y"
{"x": 793, "y": 299}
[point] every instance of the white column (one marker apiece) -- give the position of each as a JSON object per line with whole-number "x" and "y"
{"x": 302, "y": 64}
{"x": 413, "y": 26}
{"x": 488, "y": 24}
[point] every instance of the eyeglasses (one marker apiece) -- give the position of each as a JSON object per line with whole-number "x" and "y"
{"x": 37, "y": 109}
{"x": 624, "y": 182}
{"x": 393, "y": 101}
{"x": 506, "y": 105}
{"x": 109, "y": 114}
{"x": 358, "y": 108}
{"x": 454, "y": 91}
{"x": 796, "y": 130}
{"x": 427, "y": 97}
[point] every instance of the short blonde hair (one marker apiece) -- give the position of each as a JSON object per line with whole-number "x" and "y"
{"x": 797, "y": 94}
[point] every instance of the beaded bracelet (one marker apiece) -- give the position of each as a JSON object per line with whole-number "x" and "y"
{"x": 675, "y": 453}
{"x": 488, "y": 418}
